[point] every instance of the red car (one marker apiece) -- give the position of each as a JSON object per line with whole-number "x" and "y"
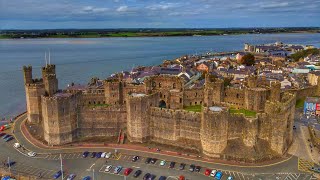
{"x": 181, "y": 177}
{"x": 127, "y": 171}
{"x": 207, "y": 172}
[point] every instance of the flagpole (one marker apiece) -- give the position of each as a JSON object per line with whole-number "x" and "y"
{"x": 61, "y": 167}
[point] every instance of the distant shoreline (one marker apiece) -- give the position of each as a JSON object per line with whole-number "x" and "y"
{"x": 86, "y": 34}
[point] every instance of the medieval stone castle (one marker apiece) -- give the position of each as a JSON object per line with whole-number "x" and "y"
{"x": 154, "y": 111}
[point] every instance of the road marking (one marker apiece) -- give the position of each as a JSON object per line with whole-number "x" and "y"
{"x": 138, "y": 167}
{"x": 304, "y": 165}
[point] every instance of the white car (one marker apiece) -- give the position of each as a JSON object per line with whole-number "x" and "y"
{"x": 103, "y": 155}
{"x": 213, "y": 173}
{"x": 108, "y": 155}
{"x": 16, "y": 145}
{"x": 32, "y": 154}
{"x": 108, "y": 168}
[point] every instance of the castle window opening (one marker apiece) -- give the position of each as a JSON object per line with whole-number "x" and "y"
{"x": 200, "y": 102}
{"x": 180, "y": 100}
{"x": 195, "y": 103}
{"x": 159, "y": 85}
{"x": 62, "y": 110}
{"x": 237, "y": 95}
{"x": 162, "y": 104}
{"x": 104, "y": 102}
{"x": 94, "y": 102}
{"x": 164, "y": 96}
{"x": 196, "y": 94}
{"x": 89, "y": 102}
{"x": 174, "y": 85}
{"x": 153, "y": 84}
{"x": 98, "y": 102}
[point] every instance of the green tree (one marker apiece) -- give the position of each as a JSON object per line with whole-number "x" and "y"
{"x": 248, "y": 59}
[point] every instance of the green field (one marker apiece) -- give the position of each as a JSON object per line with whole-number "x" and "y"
{"x": 246, "y": 112}
{"x": 300, "y": 103}
{"x": 195, "y": 108}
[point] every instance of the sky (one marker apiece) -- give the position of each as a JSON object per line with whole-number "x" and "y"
{"x": 60, "y": 14}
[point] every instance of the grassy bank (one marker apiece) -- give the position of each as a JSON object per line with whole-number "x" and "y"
{"x": 246, "y": 112}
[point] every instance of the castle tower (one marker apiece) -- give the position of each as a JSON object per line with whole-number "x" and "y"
{"x": 27, "y": 72}
{"x": 60, "y": 118}
{"x": 214, "y": 131}
{"x": 114, "y": 92}
{"x": 255, "y": 99}
{"x": 34, "y": 90}
{"x": 138, "y": 125}
{"x": 252, "y": 81}
{"x": 49, "y": 79}
{"x": 275, "y": 91}
{"x": 213, "y": 91}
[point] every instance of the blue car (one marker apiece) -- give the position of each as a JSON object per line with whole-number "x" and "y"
{"x": 57, "y": 175}
{"x": 8, "y": 139}
{"x": 86, "y": 178}
{"x": 6, "y": 136}
{"x": 85, "y": 154}
{"x": 10, "y": 163}
{"x": 218, "y": 175}
{"x": 98, "y": 155}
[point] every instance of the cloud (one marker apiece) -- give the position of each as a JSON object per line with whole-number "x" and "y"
{"x": 122, "y": 9}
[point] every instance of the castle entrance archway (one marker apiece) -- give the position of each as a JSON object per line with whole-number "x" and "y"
{"x": 162, "y": 104}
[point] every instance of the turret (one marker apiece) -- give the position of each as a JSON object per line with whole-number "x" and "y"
{"x": 275, "y": 91}
{"x": 49, "y": 79}
{"x": 213, "y": 91}
{"x": 27, "y": 72}
{"x": 252, "y": 81}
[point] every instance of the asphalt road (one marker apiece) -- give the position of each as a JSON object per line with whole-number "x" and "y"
{"x": 47, "y": 163}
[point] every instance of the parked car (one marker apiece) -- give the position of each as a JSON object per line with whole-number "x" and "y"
{"x": 93, "y": 154}
{"x": 108, "y": 155}
{"x": 218, "y": 175}
{"x": 86, "y": 178}
{"x": 71, "y": 177}
{"x": 172, "y": 164}
{"x": 162, "y": 178}
{"x": 108, "y": 168}
{"x": 137, "y": 173}
{"x": 32, "y": 154}
{"x": 2, "y": 134}
{"x": 162, "y": 163}
{"x": 103, "y": 154}
{"x": 57, "y": 174}
{"x": 191, "y": 168}
{"x": 6, "y": 136}
{"x": 127, "y": 171}
{"x": 98, "y": 155}
{"x": 152, "y": 177}
{"x": 146, "y": 176}
{"x": 8, "y": 139}
{"x": 317, "y": 170}
{"x": 85, "y": 154}
{"x": 10, "y": 163}
{"x": 207, "y": 172}
{"x": 197, "y": 169}
{"x": 182, "y": 177}
{"x": 148, "y": 160}
{"x": 135, "y": 158}
{"x": 117, "y": 170}
{"x": 182, "y": 165}
{"x": 153, "y": 161}
{"x": 213, "y": 173}
{"x": 16, "y": 145}
{"x": 230, "y": 178}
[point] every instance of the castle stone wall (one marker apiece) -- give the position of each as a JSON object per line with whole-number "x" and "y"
{"x": 193, "y": 97}
{"x": 234, "y": 97}
{"x": 101, "y": 121}
{"x": 33, "y": 97}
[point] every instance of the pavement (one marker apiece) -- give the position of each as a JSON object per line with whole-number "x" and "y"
{"x": 48, "y": 162}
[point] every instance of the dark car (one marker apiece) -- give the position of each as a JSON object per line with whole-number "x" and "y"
{"x": 192, "y": 167}
{"x": 8, "y": 139}
{"x": 10, "y": 163}
{"x": 85, "y": 154}
{"x": 172, "y": 164}
{"x": 137, "y": 173}
{"x": 57, "y": 175}
{"x": 182, "y": 165}
{"x": 2, "y": 134}
{"x": 6, "y": 136}
{"x": 153, "y": 160}
{"x": 162, "y": 178}
{"x": 93, "y": 154}
{"x": 98, "y": 155}
{"x": 152, "y": 177}
{"x": 135, "y": 158}
{"x": 148, "y": 160}
{"x": 146, "y": 176}
{"x": 197, "y": 169}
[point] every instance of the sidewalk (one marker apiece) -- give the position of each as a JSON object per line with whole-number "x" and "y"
{"x": 314, "y": 154}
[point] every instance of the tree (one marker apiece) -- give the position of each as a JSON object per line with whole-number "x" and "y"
{"x": 248, "y": 59}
